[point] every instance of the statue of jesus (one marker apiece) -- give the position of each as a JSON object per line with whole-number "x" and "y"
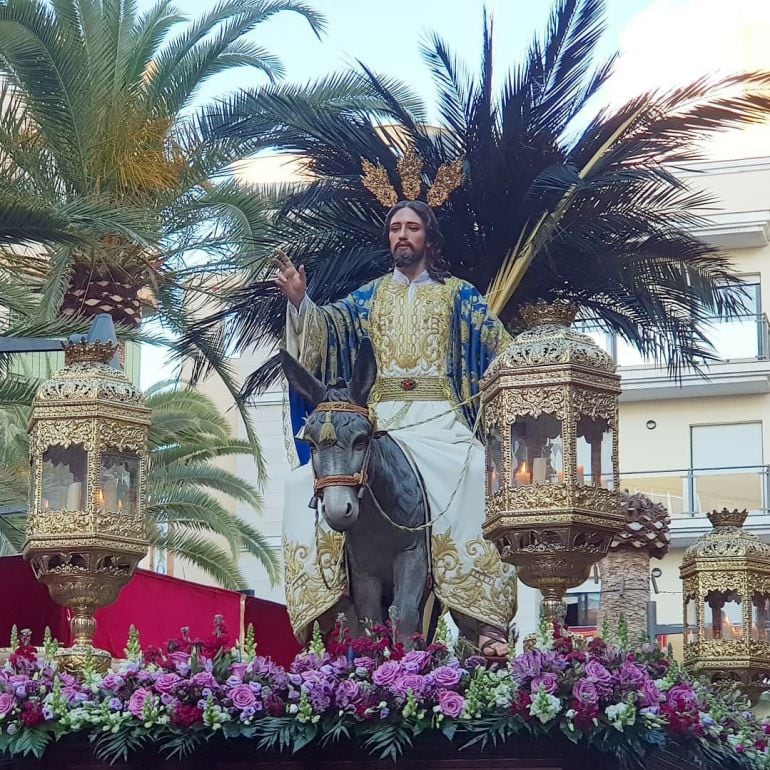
{"x": 433, "y": 336}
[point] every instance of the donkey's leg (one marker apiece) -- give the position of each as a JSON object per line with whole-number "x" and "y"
{"x": 367, "y": 597}
{"x": 410, "y": 576}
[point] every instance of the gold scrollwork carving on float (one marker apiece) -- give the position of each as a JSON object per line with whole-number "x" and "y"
{"x": 63, "y": 433}
{"x": 595, "y": 404}
{"x": 121, "y": 436}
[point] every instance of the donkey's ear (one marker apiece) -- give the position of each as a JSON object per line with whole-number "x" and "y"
{"x": 364, "y": 373}
{"x": 311, "y": 389}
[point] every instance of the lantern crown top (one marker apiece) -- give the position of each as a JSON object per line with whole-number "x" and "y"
{"x": 549, "y": 341}
{"x": 88, "y": 377}
{"x": 725, "y": 518}
{"x": 728, "y": 539}
{"x": 549, "y": 313}
{"x": 96, "y": 347}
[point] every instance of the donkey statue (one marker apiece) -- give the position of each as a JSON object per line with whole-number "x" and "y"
{"x": 366, "y": 487}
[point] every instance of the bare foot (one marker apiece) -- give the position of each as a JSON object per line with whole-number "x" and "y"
{"x": 493, "y": 642}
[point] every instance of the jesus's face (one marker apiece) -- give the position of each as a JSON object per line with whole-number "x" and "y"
{"x": 407, "y": 239}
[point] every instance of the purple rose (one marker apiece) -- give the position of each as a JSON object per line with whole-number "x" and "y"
{"x": 136, "y": 703}
{"x": 415, "y": 661}
{"x": 547, "y": 682}
{"x": 650, "y": 694}
{"x": 528, "y": 664}
{"x": 113, "y": 681}
{"x": 630, "y": 676}
{"x": 204, "y": 679}
{"x": 584, "y": 691}
{"x": 386, "y": 674}
{"x": 366, "y": 664}
{"x": 682, "y": 698}
{"x": 347, "y": 693}
{"x": 451, "y": 703}
{"x": 239, "y": 669}
{"x": 242, "y": 696}
{"x": 115, "y": 704}
{"x": 167, "y": 682}
{"x": 414, "y": 682}
{"x": 598, "y": 674}
{"x": 179, "y": 658}
{"x": 7, "y": 702}
{"x": 446, "y": 676}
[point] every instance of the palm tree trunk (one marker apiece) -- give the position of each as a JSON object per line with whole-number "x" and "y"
{"x": 625, "y": 576}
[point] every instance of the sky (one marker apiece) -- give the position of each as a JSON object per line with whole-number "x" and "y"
{"x": 662, "y": 43}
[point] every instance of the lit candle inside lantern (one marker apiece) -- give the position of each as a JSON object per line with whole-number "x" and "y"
{"x": 580, "y": 475}
{"x": 538, "y": 470}
{"x": 522, "y": 475}
{"x": 110, "y": 487}
{"x": 74, "y": 495}
{"x": 46, "y": 504}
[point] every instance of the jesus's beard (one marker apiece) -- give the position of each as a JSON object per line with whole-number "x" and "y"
{"x": 406, "y": 256}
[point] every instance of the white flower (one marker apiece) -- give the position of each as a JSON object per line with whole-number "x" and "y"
{"x": 544, "y": 706}
{"x": 621, "y": 715}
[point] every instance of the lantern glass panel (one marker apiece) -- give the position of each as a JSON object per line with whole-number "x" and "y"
{"x": 494, "y": 459}
{"x": 119, "y": 482}
{"x": 537, "y": 450}
{"x": 723, "y": 618}
{"x": 594, "y": 452}
{"x": 691, "y": 620}
{"x": 760, "y": 617}
{"x": 64, "y": 478}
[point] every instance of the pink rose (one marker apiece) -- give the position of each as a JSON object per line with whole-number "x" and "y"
{"x": 166, "y": 682}
{"x": 7, "y": 702}
{"x": 242, "y": 696}
{"x": 451, "y": 703}
{"x": 446, "y": 676}
{"x": 386, "y": 673}
{"x": 136, "y": 703}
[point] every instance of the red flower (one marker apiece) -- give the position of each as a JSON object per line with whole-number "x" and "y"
{"x": 186, "y": 715}
{"x": 32, "y": 714}
{"x": 520, "y": 705}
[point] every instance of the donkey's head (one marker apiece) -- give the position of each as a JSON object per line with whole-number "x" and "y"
{"x": 339, "y": 440}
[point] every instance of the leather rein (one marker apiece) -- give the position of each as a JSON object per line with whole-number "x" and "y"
{"x": 344, "y": 480}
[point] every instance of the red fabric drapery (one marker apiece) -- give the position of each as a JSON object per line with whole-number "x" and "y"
{"x": 158, "y": 605}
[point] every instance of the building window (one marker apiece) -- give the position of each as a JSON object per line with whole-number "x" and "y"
{"x": 727, "y": 467}
{"x": 582, "y": 609}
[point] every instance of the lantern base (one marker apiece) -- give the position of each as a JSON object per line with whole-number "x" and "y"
{"x": 75, "y": 659}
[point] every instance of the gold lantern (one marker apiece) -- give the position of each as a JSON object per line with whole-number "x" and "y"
{"x": 550, "y": 406}
{"x": 86, "y": 528}
{"x": 726, "y": 595}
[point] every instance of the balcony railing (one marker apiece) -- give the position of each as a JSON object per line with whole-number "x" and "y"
{"x": 741, "y": 338}
{"x": 694, "y": 492}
